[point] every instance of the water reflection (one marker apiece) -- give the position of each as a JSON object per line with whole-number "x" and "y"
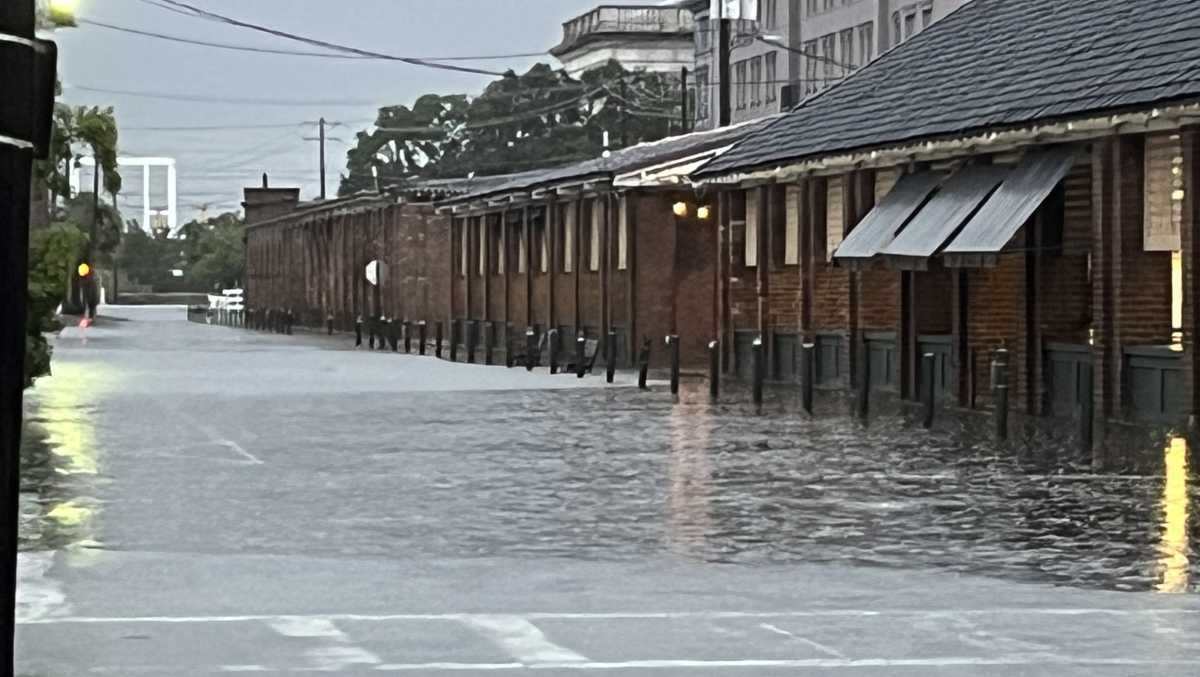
{"x": 689, "y": 477}
{"x": 1175, "y": 545}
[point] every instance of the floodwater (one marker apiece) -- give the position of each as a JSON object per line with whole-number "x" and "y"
{"x": 618, "y": 474}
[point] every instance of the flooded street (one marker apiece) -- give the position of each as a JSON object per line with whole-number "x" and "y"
{"x": 303, "y": 506}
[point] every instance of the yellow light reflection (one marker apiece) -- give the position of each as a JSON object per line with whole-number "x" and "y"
{"x": 1177, "y": 299}
{"x": 689, "y": 474}
{"x": 70, "y": 514}
{"x": 69, "y": 432}
{"x": 1174, "y": 547}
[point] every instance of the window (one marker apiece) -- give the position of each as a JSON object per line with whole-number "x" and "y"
{"x": 739, "y": 78}
{"x": 568, "y": 239}
{"x": 895, "y": 28}
{"x": 834, "y": 223}
{"x": 926, "y": 15}
{"x": 703, "y": 35}
{"x": 597, "y": 224}
{"x": 623, "y": 233}
{"x": 829, "y": 55}
{"x": 702, "y": 89}
{"x": 482, "y": 231}
{"x": 810, "y": 66}
{"x": 866, "y": 44}
{"x": 500, "y": 244}
{"x": 771, "y": 76}
{"x": 810, "y": 7}
{"x": 1163, "y": 193}
{"x": 544, "y": 246}
{"x": 522, "y": 251}
{"x": 766, "y": 13}
{"x": 463, "y": 252}
{"x": 756, "y": 83}
{"x": 910, "y": 24}
{"x": 751, "y": 252}
{"x": 847, "y": 44}
{"x": 791, "y": 226}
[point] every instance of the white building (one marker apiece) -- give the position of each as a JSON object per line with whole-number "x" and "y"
{"x": 655, "y": 38}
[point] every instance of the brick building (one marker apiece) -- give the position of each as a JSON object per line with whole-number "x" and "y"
{"x": 972, "y": 191}
{"x": 620, "y": 243}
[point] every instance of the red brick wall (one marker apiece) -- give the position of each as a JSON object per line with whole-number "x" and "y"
{"x": 996, "y": 313}
{"x": 564, "y": 283}
{"x": 654, "y": 235}
{"x": 880, "y": 309}
{"x": 932, "y": 298}
{"x": 695, "y": 287}
{"x": 743, "y": 281}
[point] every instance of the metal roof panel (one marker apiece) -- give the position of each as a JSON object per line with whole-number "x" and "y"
{"x": 879, "y": 227}
{"x": 945, "y": 213}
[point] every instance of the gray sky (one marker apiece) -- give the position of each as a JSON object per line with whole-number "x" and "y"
{"x": 215, "y": 165}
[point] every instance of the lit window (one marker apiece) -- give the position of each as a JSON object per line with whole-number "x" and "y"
{"x": 751, "y": 252}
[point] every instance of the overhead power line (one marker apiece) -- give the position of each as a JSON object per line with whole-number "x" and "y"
{"x": 291, "y": 52}
{"x": 186, "y": 9}
{"x": 197, "y": 98}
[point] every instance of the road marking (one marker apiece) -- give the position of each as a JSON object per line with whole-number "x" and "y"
{"x": 632, "y": 615}
{"x": 334, "y": 652}
{"x": 830, "y": 651}
{"x": 521, "y": 639}
{"x": 216, "y": 438}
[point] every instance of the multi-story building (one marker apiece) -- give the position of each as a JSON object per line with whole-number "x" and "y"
{"x": 655, "y": 38}
{"x": 796, "y": 48}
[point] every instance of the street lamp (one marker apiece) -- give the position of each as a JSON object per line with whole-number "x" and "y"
{"x": 62, "y": 12}
{"x": 680, "y": 209}
{"x": 703, "y": 213}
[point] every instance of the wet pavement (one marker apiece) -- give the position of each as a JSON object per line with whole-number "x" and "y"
{"x": 201, "y": 500}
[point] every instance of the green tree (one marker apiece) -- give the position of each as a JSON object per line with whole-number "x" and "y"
{"x": 53, "y": 253}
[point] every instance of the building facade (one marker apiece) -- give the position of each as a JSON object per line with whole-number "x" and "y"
{"x": 654, "y": 38}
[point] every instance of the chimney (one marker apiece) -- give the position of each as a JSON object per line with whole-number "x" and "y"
{"x": 263, "y": 204}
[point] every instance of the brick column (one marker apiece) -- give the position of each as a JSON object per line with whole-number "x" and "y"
{"x": 1190, "y": 239}
{"x": 766, "y": 215}
{"x": 1105, "y": 353}
{"x": 724, "y": 252}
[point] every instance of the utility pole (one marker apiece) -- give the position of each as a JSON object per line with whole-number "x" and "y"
{"x": 624, "y": 114}
{"x": 22, "y": 131}
{"x": 724, "y": 37}
{"x": 322, "y": 123}
{"x": 683, "y": 100}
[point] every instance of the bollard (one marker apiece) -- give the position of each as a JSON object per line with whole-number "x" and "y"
{"x": 610, "y": 357}
{"x": 644, "y": 363}
{"x": 329, "y": 324}
{"x": 437, "y": 345}
{"x": 422, "y": 330}
{"x": 510, "y": 350}
{"x": 928, "y": 389}
{"x": 489, "y": 343}
{"x": 407, "y": 327}
{"x": 531, "y": 349}
{"x": 808, "y": 352}
{"x": 291, "y": 321}
{"x": 553, "y": 351}
{"x": 714, "y": 369}
{"x": 358, "y": 322}
{"x": 266, "y": 320}
{"x": 862, "y": 403}
{"x": 1000, "y": 391}
{"x": 454, "y": 332}
{"x": 470, "y": 340}
{"x": 1086, "y": 410}
{"x": 394, "y": 329}
{"x": 758, "y": 370}
{"x": 673, "y": 347}
{"x": 580, "y": 355}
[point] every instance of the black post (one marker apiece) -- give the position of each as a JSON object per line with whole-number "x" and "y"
{"x": 927, "y": 388}
{"x": 472, "y": 330}
{"x": 422, "y": 329}
{"x": 808, "y": 374}
{"x": 291, "y": 321}
{"x": 407, "y": 326}
{"x": 17, "y": 83}
{"x": 758, "y": 370}
{"x": 358, "y": 322}
{"x": 510, "y": 341}
{"x": 673, "y": 346}
{"x": 1000, "y": 390}
{"x": 394, "y": 329}
{"x": 610, "y": 356}
{"x": 553, "y": 351}
{"x": 329, "y": 324}
{"x": 862, "y": 404}
{"x": 437, "y": 346}
{"x": 714, "y": 369}
{"x": 489, "y": 343}
{"x": 580, "y": 355}
{"x": 531, "y": 348}
{"x": 644, "y": 363}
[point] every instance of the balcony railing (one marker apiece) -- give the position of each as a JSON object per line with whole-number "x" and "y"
{"x": 630, "y": 19}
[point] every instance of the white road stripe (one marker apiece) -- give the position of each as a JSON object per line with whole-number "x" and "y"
{"x": 827, "y": 650}
{"x": 521, "y": 639}
{"x": 632, "y": 615}
{"x": 824, "y": 663}
{"x": 334, "y": 652}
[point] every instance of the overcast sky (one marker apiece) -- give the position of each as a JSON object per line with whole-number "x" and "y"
{"x": 215, "y": 164}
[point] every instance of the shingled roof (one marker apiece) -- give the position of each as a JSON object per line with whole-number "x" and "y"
{"x": 994, "y": 64}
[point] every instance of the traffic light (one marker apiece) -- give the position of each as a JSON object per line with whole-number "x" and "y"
{"x": 84, "y": 270}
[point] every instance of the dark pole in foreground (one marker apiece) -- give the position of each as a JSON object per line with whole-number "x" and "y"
{"x": 407, "y": 326}
{"x": 1000, "y": 389}
{"x": 422, "y": 329}
{"x": 673, "y": 347}
{"x": 610, "y": 356}
{"x": 927, "y": 391}
{"x": 17, "y": 83}
{"x": 489, "y": 343}
{"x": 758, "y": 370}
{"x": 644, "y": 363}
{"x": 553, "y": 351}
{"x": 862, "y": 405}
{"x": 714, "y": 369}
{"x": 510, "y": 341}
{"x": 472, "y": 330}
{"x": 807, "y": 372}
{"x": 455, "y": 330}
{"x": 437, "y": 341}
{"x": 329, "y": 324}
{"x": 531, "y": 347}
{"x": 358, "y": 331}
{"x": 580, "y": 355}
